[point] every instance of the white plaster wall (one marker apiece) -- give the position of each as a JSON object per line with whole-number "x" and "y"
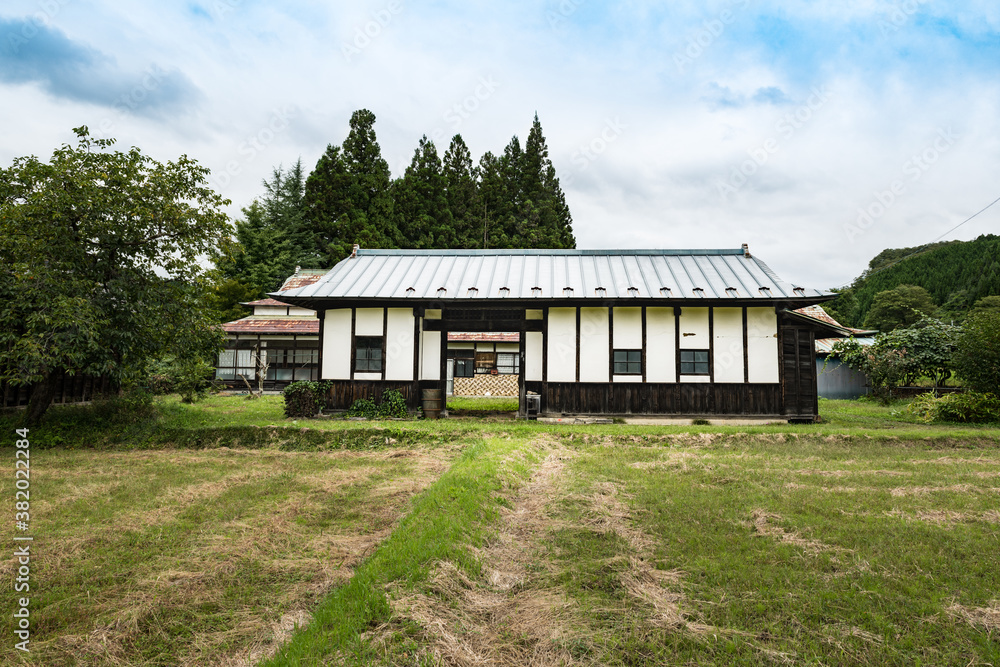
{"x": 532, "y": 314}
{"x": 430, "y": 355}
{"x": 627, "y": 325}
{"x": 368, "y": 376}
{"x": 337, "y": 345}
{"x": 696, "y": 379}
{"x": 762, "y": 345}
{"x": 694, "y": 323}
{"x": 369, "y": 322}
{"x": 727, "y": 326}
{"x": 461, "y": 346}
{"x": 301, "y": 312}
{"x": 533, "y": 356}
{"x": 661, "y": 350}
{"x": 399, "y": 344}
{"x": 508, "y": 347}
{"x": 562, "y": 345}
{"x": 594, "y": 345}
{"x": 270, "y": 311}
{"x": 627, "y": 378}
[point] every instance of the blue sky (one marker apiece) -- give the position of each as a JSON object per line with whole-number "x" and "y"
{"x": 819, "y": 133}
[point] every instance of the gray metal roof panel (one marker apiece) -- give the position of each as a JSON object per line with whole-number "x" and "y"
{"x": 419, "y": 274}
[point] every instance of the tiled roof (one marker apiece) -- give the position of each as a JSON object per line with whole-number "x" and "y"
{"x": 264, "y": 302}
{"x": 454, "y": 276}
{"x": 277, "y": 325}
{"x": 301, "y": 278}
{"x": 818, "y": 313}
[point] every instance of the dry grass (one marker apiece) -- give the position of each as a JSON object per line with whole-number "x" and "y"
{"x": 204, "y": 558}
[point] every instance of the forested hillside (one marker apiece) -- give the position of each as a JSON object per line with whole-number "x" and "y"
{"x": 955, "y": 273}
{"x": 509, "y": 200}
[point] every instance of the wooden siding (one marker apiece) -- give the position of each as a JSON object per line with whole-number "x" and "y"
{"x": 661, "y": 399}
{"x": 798, "y": 372}
{"x": 343, "y": 393}
{"x": 69, "y": 389}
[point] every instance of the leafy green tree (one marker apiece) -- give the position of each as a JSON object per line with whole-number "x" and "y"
{"x": 977, "y": 358}
{"x": 900, "y": 307}
{"x": 420, "y": 202}
{"x": 100, "y": 264}
{"x": 987, "y": 303}
{"x": 884, "y": 367}
{"x": 928, "y": 348}
{"x": 844, "y": 307}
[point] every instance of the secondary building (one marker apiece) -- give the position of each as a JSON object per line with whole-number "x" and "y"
{"x": 613, "y": 332}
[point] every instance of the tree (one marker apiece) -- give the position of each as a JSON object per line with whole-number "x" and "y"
{"x": 462, "y": 193}
{"x": 928, "y": 348}
{"x": 420, "y": 202}
{"x": 977, "y": 357}
{"x": 100, "y": 264}
{"x": 899, "y": 307}
{"x": 545, "y": 220}
{"x": 884, "y": 367}
{"x": 987, "y": 303}
{"x": 347, "y": 197}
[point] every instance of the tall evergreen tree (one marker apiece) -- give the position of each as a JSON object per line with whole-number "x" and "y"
{"x": 347, "y": 196}
{"x": 463, "y": 194}
{"x": 421, "y": 202}
{"x": 544, "y": 220}
{"x": 495, "y": 203}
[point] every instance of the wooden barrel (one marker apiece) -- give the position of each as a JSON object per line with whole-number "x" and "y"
{"x": 431, "y": 399}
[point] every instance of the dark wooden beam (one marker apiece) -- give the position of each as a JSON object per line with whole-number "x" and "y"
{"x": 458, "y": 326}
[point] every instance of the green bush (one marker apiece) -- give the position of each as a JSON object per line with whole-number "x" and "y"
{"x": 966, "y": 408}
{"x": 393, "y": 405}
{"x": 304, "y": 399}
{"x": 363, "y": 407}
{"x": 977, "y": 359}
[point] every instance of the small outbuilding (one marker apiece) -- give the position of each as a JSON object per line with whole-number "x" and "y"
{"x": 600, "y": 332}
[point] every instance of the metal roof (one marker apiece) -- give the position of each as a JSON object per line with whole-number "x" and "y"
{"x": 546, "y": 275}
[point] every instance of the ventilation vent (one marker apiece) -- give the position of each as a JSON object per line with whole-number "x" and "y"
{"x": 536, "y": 291}
{"x": 633, "y": 291}
{"x": 567, "y": 291}
{"x": 665, "y": 291}
{"x": 473, "y": 292}
{"x": 504, "y": 291}
{"x": 442, "y": 291}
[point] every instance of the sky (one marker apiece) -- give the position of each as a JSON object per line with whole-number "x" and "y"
{"x": 819, "y": 133}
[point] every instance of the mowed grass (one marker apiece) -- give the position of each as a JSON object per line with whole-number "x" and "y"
{"x": 718, "y": 551}
{"x": 199, "y": 557}
{"x": 866, "y": 539}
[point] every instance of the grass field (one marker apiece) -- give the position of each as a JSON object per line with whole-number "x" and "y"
{"x": 865, "y": 540}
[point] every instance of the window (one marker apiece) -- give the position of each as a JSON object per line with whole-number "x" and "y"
{"x": 508, "y": 363}
{"x": 694, "y": 362}
{"x": 486, "y": 362}
{"x": 368, "y": 354}
{"x": 628, "y": 362}
{"x": 464, "y": 368}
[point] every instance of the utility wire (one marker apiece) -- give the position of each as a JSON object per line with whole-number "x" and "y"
{"x": 921, "y": 249}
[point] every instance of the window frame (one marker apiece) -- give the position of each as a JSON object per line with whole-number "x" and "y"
{"x": 369, "y": 344}
{"x": 693, "y": 361}
{"x": 632, "y": 361}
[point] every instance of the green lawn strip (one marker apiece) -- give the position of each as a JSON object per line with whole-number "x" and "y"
{"x": 482, "y": 403}
{"x": 236, "y": 422}
{"x": 458, "y": 510}
{"x": 836, "y": 575}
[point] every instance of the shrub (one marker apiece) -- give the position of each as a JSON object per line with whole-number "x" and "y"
{"x": 966, "y": 408}
{"x": 190, "y": 376}
{"x": 363, "y": 407}
{"x": 393, "y": 405}
{"x": 977, "y": 359}
{"x": 885, "y": 367}
{"x": 304, "y": 399}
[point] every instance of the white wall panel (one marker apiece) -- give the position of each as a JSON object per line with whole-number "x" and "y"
{"x": 369, "y": 322}
{"x": 430, "y": 355}
{"x": 727, "y": 327}
{"x": 694, "y": 328}
{"x": 661, "y": 350}
{"x": 399, "y": 344}
{"x": 337, "y": 345}
{"x": 533, "y": 356}
{"x": 627, "y": 328}
{"x": 594, "y": 336}
{"x": 762, "y": 345}
{"x": 561, "y": 345}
